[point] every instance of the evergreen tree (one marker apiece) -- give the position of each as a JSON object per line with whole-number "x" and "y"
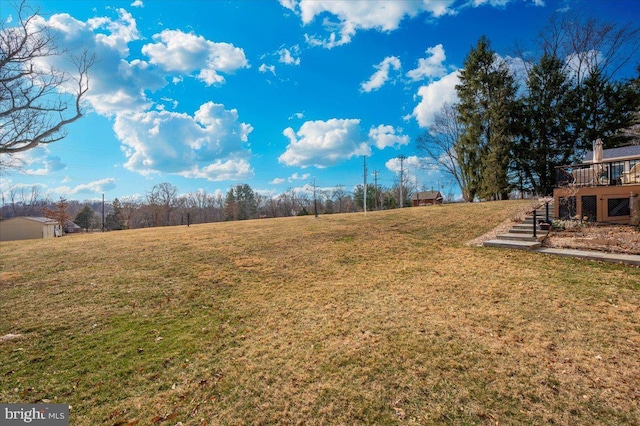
{"x": 230, "y": 206}
{"x": 358, "y": 196}
{"x": 247, "y": 204}
{"x": 240, "y": 203}
{"x": 114, "y": 220}
{"x": 84, "y": 218}
{"x": 605, "y": 107}
{"x": 487, "y": 95}
{"x": 545, "y": 118}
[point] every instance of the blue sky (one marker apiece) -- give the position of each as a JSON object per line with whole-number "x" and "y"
{"x": 209, "y": 94}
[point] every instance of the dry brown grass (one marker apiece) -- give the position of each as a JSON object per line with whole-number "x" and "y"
{"x": 347, "y": 319}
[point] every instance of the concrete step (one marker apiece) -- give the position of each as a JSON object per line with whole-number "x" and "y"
{"x": 519, "y": 237}
{"x": 525, "y": 230}
{"x": 528, "y": 226}
{"x": 529, "y": 223}
{"x": 519, "y": 245}
{"x": 529, "y": 218}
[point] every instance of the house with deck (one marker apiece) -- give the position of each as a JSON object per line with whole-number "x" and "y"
{"x": 604, "y": 188}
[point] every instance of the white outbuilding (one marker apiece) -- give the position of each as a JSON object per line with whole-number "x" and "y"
{"x": 27, "y": 228}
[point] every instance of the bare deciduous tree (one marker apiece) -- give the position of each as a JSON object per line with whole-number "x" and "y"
{"x": 37, "y": 100}
{"x": 588, "y": 44}
{"x": 439, "y": 143}
{"x": 162, "y": 200}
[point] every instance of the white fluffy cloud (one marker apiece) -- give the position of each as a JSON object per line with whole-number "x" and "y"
{"x": 385, "y": 136}
{"x": 430, "y": 67}
{"x": 381, "y": 76}
{"x": 34, "y": 162}
{"x": 413, "y": 166}
{"x": 412, "y": 161}
{"x": 289, "y": 56}
{"x": 232, "y": 169}
{"x": 434, "y": 96}
{"x": 51, "y": 163}
{"x": 176, "y": 51}
{"x": 121, "y": 31}
{"x": 95, "y": 187}
{"x": 381, "y": 15}
{"x": 116, "y": 84}
{"x": 267, "y": 68}
{"x": 324, "y": 143}
{"x": 294, "y": 177}
{"x": 209, "y": 144}
{"x": 502, "y": 3}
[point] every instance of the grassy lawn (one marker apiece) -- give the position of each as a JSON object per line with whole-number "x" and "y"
{"x": 344, "y": 319}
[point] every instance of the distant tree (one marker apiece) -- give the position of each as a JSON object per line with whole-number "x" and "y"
{"x": 247, "y": 203}
{"x": 37, "y": 102}
{"x": 407, "y": 192}
{"x": 84, "y": 218}
{"x": 358, "y": 196}
{"x": 329, "y": 206}
{"x": 58, "y": 212}
{"x": 339, "y": 195}
{"x": 162, "y": 200}
{"x": 115, "y": 218}
{"x": 128, "y": 208}
{"x": 231, "y": 209}
{"x": 287, "y": 203}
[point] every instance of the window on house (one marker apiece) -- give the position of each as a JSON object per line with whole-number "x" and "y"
{"x": 618, "y": 207}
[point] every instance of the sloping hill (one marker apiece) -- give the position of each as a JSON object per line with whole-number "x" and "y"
{"x": 343, "y": 319}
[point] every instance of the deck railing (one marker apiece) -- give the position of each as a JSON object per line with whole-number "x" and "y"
{"x": 610, "y": 173}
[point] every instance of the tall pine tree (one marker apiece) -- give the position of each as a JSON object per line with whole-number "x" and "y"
{"x": 545, "y": 118}
{"x": 487, "y": 96}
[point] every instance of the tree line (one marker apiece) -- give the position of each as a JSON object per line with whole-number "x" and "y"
{"x": 511, "y": 132}
{"x": 162, "y": 205}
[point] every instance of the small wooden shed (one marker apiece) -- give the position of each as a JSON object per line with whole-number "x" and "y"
{"x": 427, "y": 198}
{"x": 27, "y": 228}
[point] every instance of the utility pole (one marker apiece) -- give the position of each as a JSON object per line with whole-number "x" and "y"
{"x": 102, "y": 212}
{"x": 375, "y": 179}
{"x": 402, "y": 158}
{"x": 365, "y": 184}
{"x": 315, "y": 202}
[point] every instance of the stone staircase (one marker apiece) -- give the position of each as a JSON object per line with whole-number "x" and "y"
{"x": 520, "y": 236}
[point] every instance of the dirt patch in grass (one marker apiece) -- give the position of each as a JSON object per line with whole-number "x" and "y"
{"x": 347, "y": 319}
